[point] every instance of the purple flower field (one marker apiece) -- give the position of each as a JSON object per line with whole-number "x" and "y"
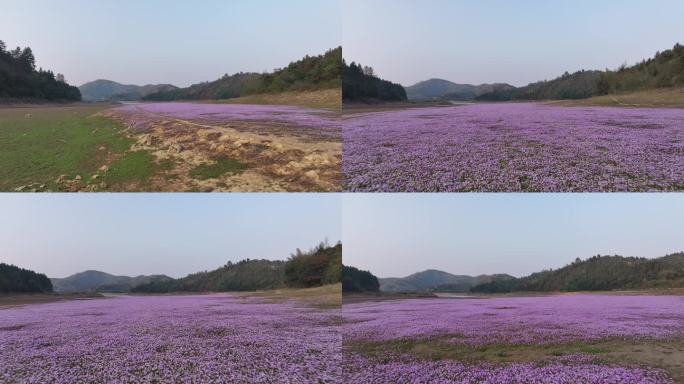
{"x": 294, "y": 115}
{"x": 514, "y": 147}
{"x": 189, "y": 339}
{"x": 536, "y": 320}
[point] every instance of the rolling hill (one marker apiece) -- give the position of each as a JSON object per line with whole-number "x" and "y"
{"x": 19, "y": 280}
{"x": 245, "y": 275}
{"x": 664, "y": 70}
{"x": 598, "y": 273}
{"x": 360, "y": 83}
{"x": 96, "y": 281}
{"x": 434, "y": 280}
{"x": 310, "y": 73}
{"x": 107, "y": 90}
{"x": 438, "y": 89}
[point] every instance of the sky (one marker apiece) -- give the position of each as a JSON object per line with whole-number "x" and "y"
{"x": 148, "y": 233}
{"x": 395, "y": 235}
{"x": 168, "y": 41}
{"x": 497, "y": 41}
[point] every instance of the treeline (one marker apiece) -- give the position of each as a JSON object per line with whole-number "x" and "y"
{"x": 360, "y": 83}
{"x": 19, "y": 78}
{"x": 308, "y": 74}
{"x": 665, "y": 69}
{"x": 598, "y": 273}
{"x": 357, "y": 281}
{"x": 245, "y": 275}
{"x": 319, "y": 266}
{"x": 578, "y": 85}
{"x": 18, "y": 280}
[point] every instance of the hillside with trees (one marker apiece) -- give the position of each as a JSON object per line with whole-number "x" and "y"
{"x": 319, "y": 266}
{"x": 245, "y": 275}
{"x": 96, "y": 281}
{"x": 308, "y": 74}
{"x": 360, "y": 83}
{"x": 107, "y": 90}
{"x": 439, "y": 90}
{"x": 432, "y": 280}
{"x": 665, "y": 69}
{"x": 598, "y": 273}
{"x": 358, "y": 281}
{"x": 19, "y": 78}
{"x": 18, "y": 280}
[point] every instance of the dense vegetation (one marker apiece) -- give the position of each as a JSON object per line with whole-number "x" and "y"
{"x": 319, "y": 266}
{"x": 360, "y": 83}
{"x": 599, "y": 273}
{"x": 19, "y": 78}
{"x": 106, "y": 90}
{"x": 356, "y": 280}
{"x": 18, "y": 280}
{"x": 308, "y": 74}
{"x": 438, "y": 89}
{"x": 96, "y": 281}
{"x": 245, "y": 275}
{"x": 666, "y": 69}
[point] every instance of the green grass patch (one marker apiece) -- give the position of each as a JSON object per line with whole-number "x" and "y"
{"x": 136, "y": 167}
{"x": 218, "y": 169}
{"x": 39, "y": 144}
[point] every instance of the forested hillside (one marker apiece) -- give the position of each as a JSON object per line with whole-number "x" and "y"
{"x": 96, "y": 281}
{"x": 665, "y": 69}
{"x": 318, "y": 266}
{"x": 356, "y": 280}
{"x": 599, "y": 273}
{"x": 19, "y": 78}
{"x": 360, "y": 83}
{"x": 308, "y": 74}
{"x": 438, "y": 89}
{"x": 107, "y": 90}
{"x": 18, "y": 280}
{"x": 245, "y": 275}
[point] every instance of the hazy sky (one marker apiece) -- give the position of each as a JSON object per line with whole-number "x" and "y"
{"x": 168, "y": 41}
{"x": 173, "y": 234}
{"x": 396, "y": 235}
{"x": 521, "y": 41}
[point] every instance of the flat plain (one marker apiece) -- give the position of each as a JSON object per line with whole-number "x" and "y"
{"x": 512, "y": 147}
{"x": 284, "y": 336}
{"x": 238, "y": 147}
{"x": 569, "y": 338}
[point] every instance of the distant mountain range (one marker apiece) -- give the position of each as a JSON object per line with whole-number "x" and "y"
{"x": 439, "y": 89}
{"x": 107, "y": 90}
{"x": 434, "y": 280}
{"x": 101, "y": 282}
{"x": 307, "y": 74}
{"x": 598, "y": 273}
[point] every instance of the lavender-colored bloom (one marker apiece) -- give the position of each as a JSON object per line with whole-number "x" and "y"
{"x": 535, "y": 320}
{"x": 217, "y": 113}
{"x": 515, "y": 147}
{"x": 189, "y": 339}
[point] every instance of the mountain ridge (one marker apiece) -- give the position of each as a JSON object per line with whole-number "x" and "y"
{"x": 439, "y": 89}
{"x": 109, "y": 90}
{"x": 435, "y": 280}
{"x": 98, "y": 281}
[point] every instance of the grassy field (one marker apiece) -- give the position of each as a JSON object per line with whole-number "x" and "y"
{"x": 325, "y": 297}
{"x": 667, "y": 97}
{"x": 327, "y": 98}
{"x": 68, "y": 148}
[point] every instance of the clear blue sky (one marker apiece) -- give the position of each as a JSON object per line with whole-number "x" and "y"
{"x": 168, "y": 41}
{"x": 174, "y": 234}
{"x": 394, "y": 235}
{"x": 521, "y": 41}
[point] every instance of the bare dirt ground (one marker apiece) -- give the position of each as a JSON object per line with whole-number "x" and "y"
{"x": 277, "y": 156}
